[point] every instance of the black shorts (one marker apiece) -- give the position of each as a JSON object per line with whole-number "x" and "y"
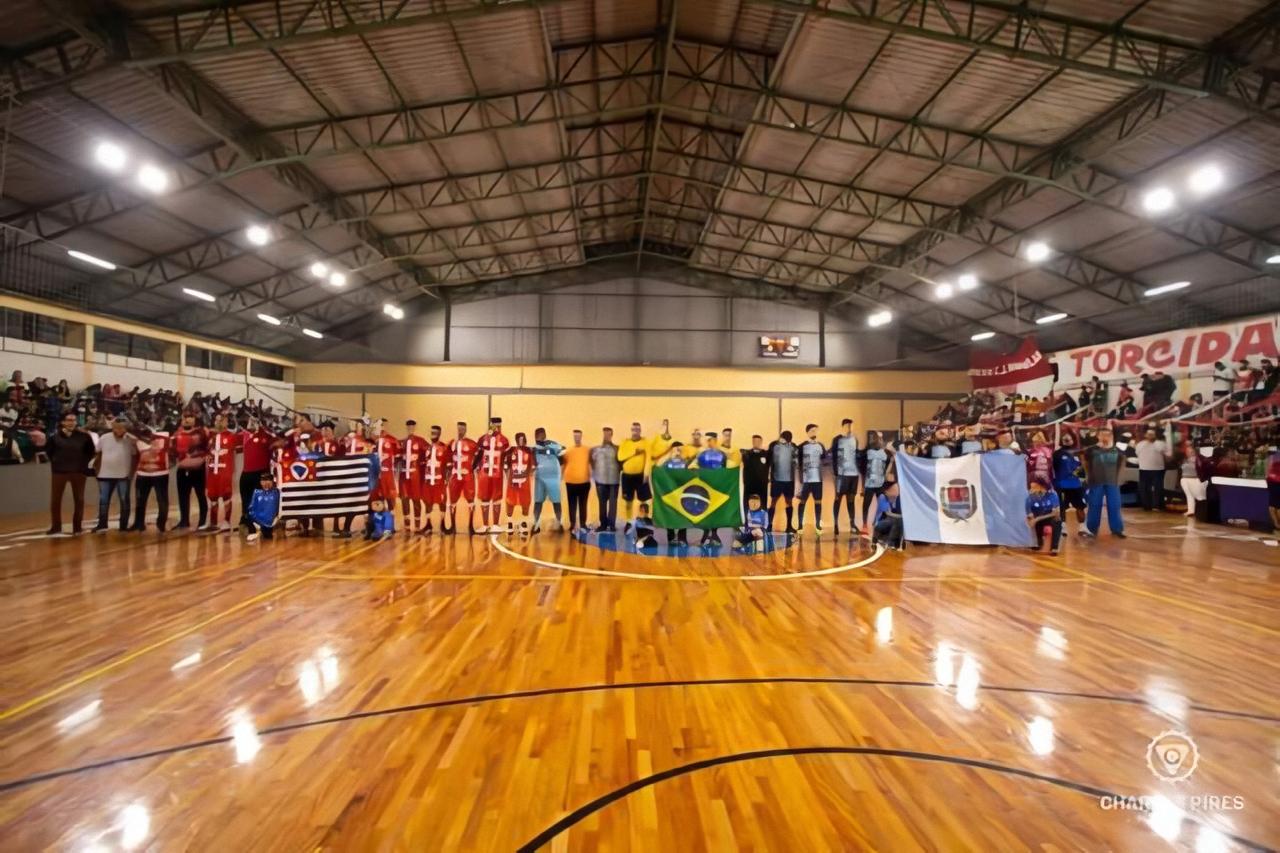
{"x": 846, "y": 485}
{"x": 814, "y": 489}
{"x": 1071, "y": 497}
{"x": 782, "y": 489}
{"x": 635, "y": 485}
{"x": 1273, "y": 495}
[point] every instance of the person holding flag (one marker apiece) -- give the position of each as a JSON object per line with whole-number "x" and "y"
{"x": 707, "y": 496}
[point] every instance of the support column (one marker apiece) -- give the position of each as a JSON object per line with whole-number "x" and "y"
{"x": 448, "y": 323}
{"x": 822, "y": 336}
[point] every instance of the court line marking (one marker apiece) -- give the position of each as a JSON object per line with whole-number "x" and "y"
{"x": 1204, "y": 611}
{"x": 557, "y": 578}
{"x": 641, "y": 576}
{"x": 568, "y": 821}
{"x": 9, "y": 713}
{"x": 484, "y": 698}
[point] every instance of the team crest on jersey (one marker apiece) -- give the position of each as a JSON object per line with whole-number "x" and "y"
{"x": 695, "y": 500}
{"x": 958, "y": 499}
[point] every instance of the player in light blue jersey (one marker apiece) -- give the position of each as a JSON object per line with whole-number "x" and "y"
{"x": 546, "y": 486}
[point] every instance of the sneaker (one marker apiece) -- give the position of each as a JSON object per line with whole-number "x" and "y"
{"x": 817, "y": 533}
{"x": 537, "y": 527}
{"x": 511, "y": 528}
{"x": 53, "y": 531}
{"x": 1120, "y": 535}
{"x": 252, "y": 537}
{"x": 181, "y": 525}
{"x": 101, "y": 528}
{"x": 225, "y": 527}
{"x": 626, "y": 528}
{"x": 337, "y": 534}
{"x": 1053, "y": 553}
{"x": 524, "y": 528}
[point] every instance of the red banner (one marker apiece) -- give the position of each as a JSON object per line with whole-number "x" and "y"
{"x": 994, "y": 370}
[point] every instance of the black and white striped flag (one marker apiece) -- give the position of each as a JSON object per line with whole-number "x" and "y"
{"x": 320, "y": 485}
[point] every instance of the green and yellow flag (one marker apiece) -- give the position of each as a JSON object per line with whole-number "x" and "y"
{"x": 696, "y": 497}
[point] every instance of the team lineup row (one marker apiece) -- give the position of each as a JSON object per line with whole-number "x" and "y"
{"x": 428, "y": 474}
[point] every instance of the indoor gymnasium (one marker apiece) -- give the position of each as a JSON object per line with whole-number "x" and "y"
{"x": 639, "y": 425}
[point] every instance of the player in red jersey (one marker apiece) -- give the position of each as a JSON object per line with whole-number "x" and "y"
{"x": 327, "y": 445}
{"x": 387, "y": 446}
{"x": 411, "y": 451}
{"x": 255, "y": 441}
{"x": 435, "y": 477}
{"x": 518, "y": 463}
{"x": 462, "y": 479}
{"x": 353, "y": 443}
{"x": 219, "y": 463}
{"x": 190, "y": 444}
{"x": 492, "y": 446}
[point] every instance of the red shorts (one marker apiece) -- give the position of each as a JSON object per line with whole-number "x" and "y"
{"x": 434, "y": 494}
{"x": 520, "y": 494}
{"x": 386, "y": 488}
{"x": 218, "y": 485}
{"x": 462, "y": 487}
{"x": 411, "y": 488}
{"x": 489, "y": 487}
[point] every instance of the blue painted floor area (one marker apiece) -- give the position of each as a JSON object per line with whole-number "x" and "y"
{"x": 721, "y": 543}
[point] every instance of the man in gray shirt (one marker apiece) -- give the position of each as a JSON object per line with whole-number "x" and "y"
{"x": 1152, "y": 456}
{"x": 116, "y": 460}
{"x": 811, "y": 453}
{"x": 844, "y": 465}
{"x": 1103, "y": 463}
{"x": 606, "y": 471}
{"x": 783, "y": 458}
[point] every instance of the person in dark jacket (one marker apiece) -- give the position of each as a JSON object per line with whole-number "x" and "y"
{"x": 70, "y": 453}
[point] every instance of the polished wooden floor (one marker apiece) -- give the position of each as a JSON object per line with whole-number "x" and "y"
{"x": 198, "y": 693}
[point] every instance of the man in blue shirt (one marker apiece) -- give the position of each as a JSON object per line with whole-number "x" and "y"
{"x": 1067, "y": 473}
{"x": 546, "y": 485}
{"x": 1042, "y": 515}
{"x": 711, "y": 457}
{"x": 888, "y": 524}
{"x": 675, "y": 459}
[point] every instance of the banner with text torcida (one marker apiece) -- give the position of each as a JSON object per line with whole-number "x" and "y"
{"x": 1186, "y": 351}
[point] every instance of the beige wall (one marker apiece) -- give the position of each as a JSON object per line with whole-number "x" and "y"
{"x": 562, "y": 398}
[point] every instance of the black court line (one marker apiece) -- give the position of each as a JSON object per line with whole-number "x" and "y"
{"x": 549, "y": 834}
{"x": 284, "y": 728}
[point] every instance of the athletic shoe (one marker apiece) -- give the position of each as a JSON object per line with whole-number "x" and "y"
{"x": 1053, "y": 553}
{"x": 524, "y": 528}
{"x": 1119, "y": 535}
{"x": 537, "y": 527}
{"x": 101, "y": 528}
{"x": 225, "y": 527}
{"x": 252, "y": 537}
{"x": 511, "y": 528}
{"x": 817, "y": 533}
{"x": 791, "y": 531}
{"x": 626, "y": 528}
{"x": 182, "y": 525}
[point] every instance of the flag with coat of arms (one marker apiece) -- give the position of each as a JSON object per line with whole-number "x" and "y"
{"x": 316, "y": 485}
{"x": 707, "y": 498}
{"x": 977, "y": 499}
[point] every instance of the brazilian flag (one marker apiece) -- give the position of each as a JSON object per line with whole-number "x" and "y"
{"x": 696, "y": 497}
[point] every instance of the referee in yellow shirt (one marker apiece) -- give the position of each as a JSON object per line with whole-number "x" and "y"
{"x": 633, "y": 453}
{"x": 661, "y": 443}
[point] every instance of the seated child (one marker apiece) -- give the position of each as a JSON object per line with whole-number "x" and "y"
{"x": 1043, "y": 514}
{"x": 757, "y": 521}
{"x": 644, "y": 529}
{"x": 264, "y": 508}
{"x": 381, "y": 523}
{"x": 888, "y": 526}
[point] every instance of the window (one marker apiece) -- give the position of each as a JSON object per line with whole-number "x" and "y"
{"x": 123, "y": 343}
{"x": 210, "y": 359}
{"x": 25, "y": 326}
{"x": 266, "y": 370}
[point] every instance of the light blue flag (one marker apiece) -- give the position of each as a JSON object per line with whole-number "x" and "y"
{"x": 979, "y": 499}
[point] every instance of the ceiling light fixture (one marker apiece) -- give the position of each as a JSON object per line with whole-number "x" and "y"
{"x": 312, "y": 334}
{"x": 152, "y": 178}
{"x": 968, "y": 281}
{"x": 1166, "y": 288}
{"x": 880, "y": 318}
{"x": 982, "y": 336}
{"x": 1050, "y": 318}
{"x": 90, "y": 259}
{"x": 944, "y": 291}
{"x": 1159, "y": 200}
{"x": 319, "y": 270}
{"x": 1037, "y": 251}
{"x": 395, "y": 312}
{"x": 257, "y": 235}
{"x": 267, "y": 318}
{"x": 1206, "y": 179}
{"x": 110, "y": 156}
{"x": 1274, "y": 259}
{"x": 199, "y": 294}
{"x": 338, "y": 279}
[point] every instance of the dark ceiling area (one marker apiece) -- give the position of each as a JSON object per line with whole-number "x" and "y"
{"x": 967, "y": 167}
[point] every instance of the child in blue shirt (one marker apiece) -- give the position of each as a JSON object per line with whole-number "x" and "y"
{"x": 381, "y": 524}
{"x": 642, "y": 524}
{"x": 264, "y": 509}
{"x": 1043, "y": 515}
{"x": 755, "y": 525}
{"x": 888, "y": 526}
